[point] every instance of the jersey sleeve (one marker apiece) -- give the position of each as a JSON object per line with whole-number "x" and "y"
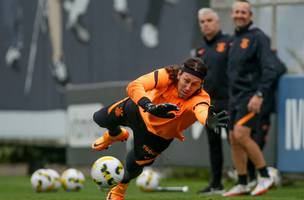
{"x": 138, "y": 88}
{"x": 201, "y": 109}
{"x": 201, "y": 113}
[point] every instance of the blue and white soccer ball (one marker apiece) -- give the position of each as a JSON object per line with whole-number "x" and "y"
{"x": 107, "y": 172}
{"x": 72, "y": 180}
{"x": 41, "y": 181}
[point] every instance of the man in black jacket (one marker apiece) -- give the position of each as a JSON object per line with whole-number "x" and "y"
{"x": 214, "y": 50}
{"x": 259, "y": 135}
{"x": 252, "y": 72}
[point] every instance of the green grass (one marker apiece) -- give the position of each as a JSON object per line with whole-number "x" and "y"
{"x": 19, "y": 188}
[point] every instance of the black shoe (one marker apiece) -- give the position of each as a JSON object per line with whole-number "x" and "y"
{"x": 210, "y": 190}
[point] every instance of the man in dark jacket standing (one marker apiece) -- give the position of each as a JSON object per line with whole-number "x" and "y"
{"x": 252, "y": 73}
{"x": 214, "y": 50}
{"x": 263, "y": 126}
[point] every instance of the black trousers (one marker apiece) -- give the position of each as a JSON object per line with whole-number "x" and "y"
{"x": 146, "y": 147}
{"x": 215, "y": 146}
{"x": 216, "y": 156}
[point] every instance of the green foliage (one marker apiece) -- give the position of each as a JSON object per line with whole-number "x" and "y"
{"x": 5, "y": 153}
{"x": 10, "y": 153}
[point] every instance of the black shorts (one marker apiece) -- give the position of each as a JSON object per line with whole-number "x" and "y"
{"x": 263, "y": 126}
{"x": 147, "y": 146}
{"x": 239, "y": 115}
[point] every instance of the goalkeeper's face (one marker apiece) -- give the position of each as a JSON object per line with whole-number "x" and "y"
{"x": 187, "y": 84}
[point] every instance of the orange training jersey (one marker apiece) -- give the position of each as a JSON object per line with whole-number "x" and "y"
{"x": 159, "y": 89}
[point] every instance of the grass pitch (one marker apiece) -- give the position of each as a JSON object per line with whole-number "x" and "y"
{"x": 19, "y": 188}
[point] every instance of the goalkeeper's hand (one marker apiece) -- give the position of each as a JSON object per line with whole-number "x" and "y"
{"x": 216, "y": 120}
{"x": 161, "y": 110}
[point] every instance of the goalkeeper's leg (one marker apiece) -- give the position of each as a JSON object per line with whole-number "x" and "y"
{"x": 110, "y": 117}
{"x": 132, "y": 170}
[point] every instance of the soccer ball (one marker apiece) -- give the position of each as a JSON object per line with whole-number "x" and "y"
{"x": 148, "y": 180}
{"x": 41, "y": 181}
{"x": 275, "y": 175}
{"x": 107, "y": 171}
{"x": 72, "y": 180}
{"x": 232, "y": 174}
{"x": 55, "y": 178}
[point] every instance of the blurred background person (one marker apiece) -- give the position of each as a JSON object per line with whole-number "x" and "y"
{"x": 49, "y": 16}
{"x": 59, "y": 69}
{"x": 122, "y": 12}
{"x": 12, "y": 13}
{"x": 214, "y": 50}
{"x": 76, "y": 9}
{"x": 251, "y": 74}
{"x": 259, "y": 134}
{"x": 150, "y": 29}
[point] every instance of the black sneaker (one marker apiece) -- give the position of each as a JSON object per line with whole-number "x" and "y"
{"x": 210, "y": 190}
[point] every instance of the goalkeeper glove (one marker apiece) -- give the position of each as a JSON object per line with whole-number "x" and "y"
{"x": 216, "y": 120}
{"x": 159, "y": 110}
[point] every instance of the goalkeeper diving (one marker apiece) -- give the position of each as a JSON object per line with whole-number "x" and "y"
{"x": 159, "y": 107}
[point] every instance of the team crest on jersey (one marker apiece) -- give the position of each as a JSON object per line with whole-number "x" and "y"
{"x": 200, "y": 51}
{"x": 118, "y": 111}
{"x": 220, "y": 47}
{"x": 245, "y": 43}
